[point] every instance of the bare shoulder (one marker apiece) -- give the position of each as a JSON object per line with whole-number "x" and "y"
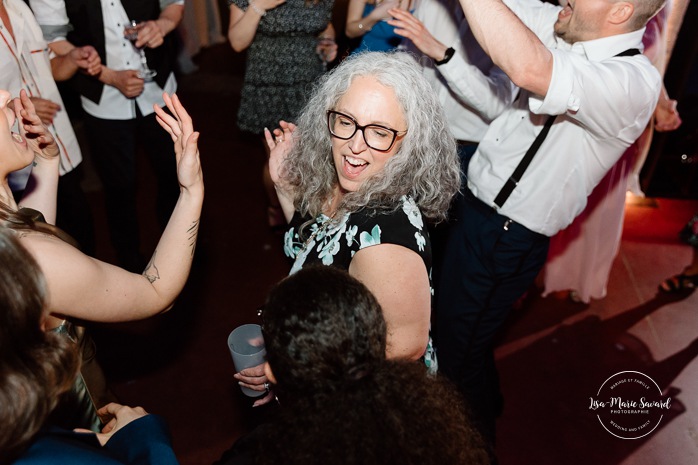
{"x": 54, "y": 256}
{"x": 391, "y": 271}
{"x": 42, "y": 244}
{"x": 394, "y": 258}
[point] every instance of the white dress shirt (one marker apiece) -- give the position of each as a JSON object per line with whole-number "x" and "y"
{"x": 603, "y": 102}
{"x": 467, "y": 118}
{"x": 26, "y": 65}
{"x": 121, "y": 55}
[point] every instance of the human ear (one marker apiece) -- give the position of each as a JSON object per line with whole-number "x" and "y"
{"x": 621, "y": 12}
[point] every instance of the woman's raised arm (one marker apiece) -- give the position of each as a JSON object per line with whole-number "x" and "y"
{"x": 42, "y": 186}
{"x": 83, "y": 287}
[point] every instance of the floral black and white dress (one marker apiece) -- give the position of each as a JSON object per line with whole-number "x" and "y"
{"x": 334, "y": 243}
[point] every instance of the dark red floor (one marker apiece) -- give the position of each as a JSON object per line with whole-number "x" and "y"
{"x": 552, "y": 357}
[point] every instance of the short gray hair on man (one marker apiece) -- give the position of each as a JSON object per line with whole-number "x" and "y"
{"x": 425, "y": 166}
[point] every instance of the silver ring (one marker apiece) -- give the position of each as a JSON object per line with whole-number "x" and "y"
{"x": 266, "y": 386}
{"x": 279, "y": 140}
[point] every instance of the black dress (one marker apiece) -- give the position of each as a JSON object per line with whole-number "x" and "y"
{"x": 282, "y": 63}
{"x": 334, "y": 243}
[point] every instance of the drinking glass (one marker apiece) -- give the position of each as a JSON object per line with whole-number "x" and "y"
{"x": 323, "y": 41}
{"x": 246, "y": 345}
{"x": 131, "y": 33}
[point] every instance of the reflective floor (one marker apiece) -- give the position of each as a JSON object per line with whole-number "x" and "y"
{"x": 553, "y": 355}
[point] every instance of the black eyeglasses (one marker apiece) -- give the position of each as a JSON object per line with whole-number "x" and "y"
{"x": 376, "y": 136}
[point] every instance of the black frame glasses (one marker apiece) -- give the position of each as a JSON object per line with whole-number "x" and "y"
{"x": 357, "y": 126}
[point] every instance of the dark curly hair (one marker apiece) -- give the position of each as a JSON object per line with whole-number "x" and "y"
{"x": 322, "y": 330}
{"x": 397, "y": 414}
{"x": 341, "y": 400}
{"x": 35, "y": 367}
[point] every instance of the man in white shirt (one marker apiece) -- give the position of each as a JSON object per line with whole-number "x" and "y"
{"x": 581, "y": 63}
{"x": 119, "y": 102}
{"x": 29, "y": 64}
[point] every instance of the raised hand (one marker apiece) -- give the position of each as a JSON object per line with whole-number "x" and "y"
{"x": 45, "y": 109}
{"x": 280, "y": 145}
{"x": 381, "y": 10}
{"x": 410, "y": 27}
{"x": 180, "y": 127}
{"x": 32, "y": 129}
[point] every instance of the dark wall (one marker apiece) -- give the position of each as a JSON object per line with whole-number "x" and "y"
{"x": 671, "y": 169}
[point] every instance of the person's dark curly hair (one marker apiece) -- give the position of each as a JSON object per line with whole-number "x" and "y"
{"x": 342, "y": 402}
{"x": 322, "y": 330}
{"x": 396, "y": 414}
{"x": 35, "y": 367}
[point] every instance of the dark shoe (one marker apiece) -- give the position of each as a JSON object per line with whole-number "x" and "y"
{"x": 678, "y": 283}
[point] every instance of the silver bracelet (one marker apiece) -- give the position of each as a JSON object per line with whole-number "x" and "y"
{"x": 257, "y": 9}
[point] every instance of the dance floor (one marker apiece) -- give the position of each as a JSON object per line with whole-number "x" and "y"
{"x": 553, "y": 355}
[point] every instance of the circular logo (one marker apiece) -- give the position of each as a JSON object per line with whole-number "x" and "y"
{"x": 629, "y": 405}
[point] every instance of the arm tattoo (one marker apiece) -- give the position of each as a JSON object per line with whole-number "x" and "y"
{"x": 193, "y": 232}
{"x": 151, "y": 272}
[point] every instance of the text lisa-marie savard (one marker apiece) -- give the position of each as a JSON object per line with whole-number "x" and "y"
{"x": 619, "y": 403}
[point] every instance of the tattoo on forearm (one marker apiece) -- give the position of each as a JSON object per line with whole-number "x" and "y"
{"x": 151, "y": 272}
{"x": 193, "y": 232}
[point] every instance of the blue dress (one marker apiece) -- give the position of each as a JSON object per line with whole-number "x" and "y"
{"x": 381, "y": 37}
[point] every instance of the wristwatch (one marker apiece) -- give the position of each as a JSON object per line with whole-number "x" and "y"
{"x": 450, "y": 51}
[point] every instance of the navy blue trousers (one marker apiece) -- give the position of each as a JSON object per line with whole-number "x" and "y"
{"x": 485, "y": 270}
{"x": 439, "y": 232}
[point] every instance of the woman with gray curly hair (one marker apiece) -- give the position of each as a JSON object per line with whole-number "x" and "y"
{"x": 370, "y": 159}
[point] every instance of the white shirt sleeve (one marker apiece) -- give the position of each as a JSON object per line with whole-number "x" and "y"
{"x": 488, "y": 94}
{"x": 52, "y": 17}
{"x": 166, "y": 3}
{"x": 609, "y": 97}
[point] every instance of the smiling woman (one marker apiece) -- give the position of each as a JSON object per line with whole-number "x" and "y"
{"x": 370, "y": 160}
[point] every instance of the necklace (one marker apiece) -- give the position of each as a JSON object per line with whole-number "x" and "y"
{"x": 321, "y": 229}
